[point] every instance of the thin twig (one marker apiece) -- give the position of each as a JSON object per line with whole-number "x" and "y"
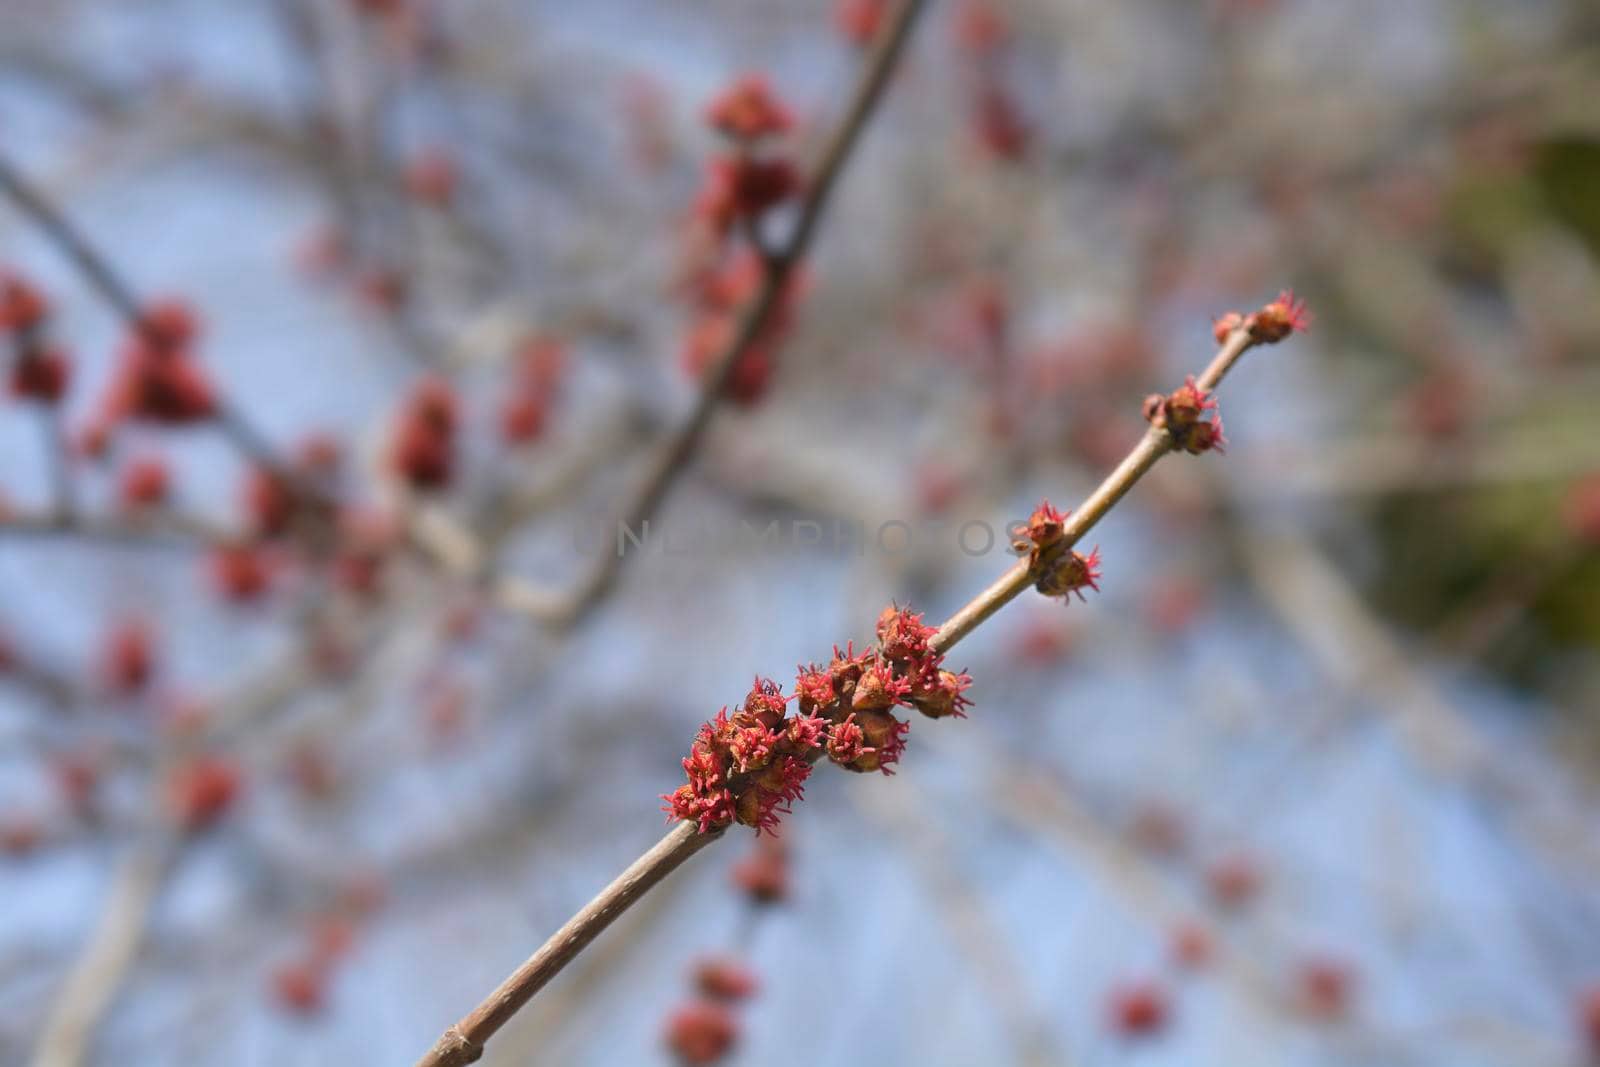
{"x": 463, "y": 1043}
{"x": 98, "y": 975}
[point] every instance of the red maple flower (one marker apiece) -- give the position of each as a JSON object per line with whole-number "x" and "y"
{"x": 268, "y": 503}
{"x": 431, "y": 177}
{"x": 203, "y": 790}
{"x": 743, "y": 187}
{"x": 1183, "y": 414}
{"x": 20, "y": 835}
{"x": 1279, "y": 319}
{"x": 129, "y": 659}
{"x": 708, "y": 338}
{"x": 1192, "y": 946}
{"x": 944, "y": 696}
{"x": 1139, "y": 1009}
{"x": 763, "y": 875}
{"x": 1234, "y": 880}
{"x": 859, "y": 21}
{"x": 1589, "y": 1017}
{"x": 301, "y": 987}
{"x": 145, "y": 482}
{"x": 998, "y": 125}
{"x": 1057, "y": 569}
{"x": 422, "y": 450}
{"x": 725, "y": 979}
{"x": 1325, "y": 988}
{"x": 23, "y": 308}
{"x": 701, "y": 1033}
{"x": 980, "y": 28}
{"x": 1223, "y": 325}
{"x": 748, "y": 110}
{"x": 40, "y": 374}
{"x": 749, "y": 767}
{"x": 157, "y": 379}
{"x": 170, "y": 323}
{"x": 242, "y": 572}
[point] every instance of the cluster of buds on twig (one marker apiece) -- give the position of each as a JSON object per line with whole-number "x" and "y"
{"x": 750, "y": 767}
{"x": 299, "y": 985}
{"x": 749, "y": 180}
{"x": 717, "y": 297}
{"x": 157, "y": 377}
{"x": 39, "y": 370}
{"x": 1274, "y": 322}
{"x": 705, "y": 1030}
{"x": 1188, "y": 415}
{"x": 422, "y": 451}
{"x": 859, "y": 21}
{"x": 1057, "y": 569}
{"x": 983, "y": 37}
{"x": 202, "y": 790}
{"x": 538, "y": 367}
{"x": 741, "y": 186}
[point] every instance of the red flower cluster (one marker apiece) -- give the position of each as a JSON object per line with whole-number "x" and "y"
{"x": 1057, "y": 569}
{"x": 1589, "y": 1018}
{"x": 1325, "y": 988}
{"x": 431, "y": 177}
{"x": 128, "y": 661}
{"x": 1274, "y": 322}
{"x": 1182, "y": 413}
{"x": 157, "y": 378}
{"x": 997, "y": 124}
{"x": 725, "y": 979}
{"x": 366, "y": 541}
{"x": 743, "y": 187}
{"x": 747, "y": 182}
{"x": 763, "y": 875}
{"x": 751, "y": 767}
{"x": 242, "y": 572}
{"x": 1234, "y": 880}
{"x": 748, "y": 110}
{"x": 538, "y": 368}
{"x": 1139, "y": 1009}
{"x": 702, "y": 1032}
{"x": 718, "y": 297}
{"x": 740, "y": 187}
{"x": 300, "y": 985}
{"x": 980, "y": 29}
{"x": 202, "y": 791}
{"x": 23, "y": 308}
{"x": 145, "y": 482}
{"x": 422, "y": 451}
{"x": 859, "y": 21}
{"x": 1279, "y": 319}
{"x": 39, "y": 371}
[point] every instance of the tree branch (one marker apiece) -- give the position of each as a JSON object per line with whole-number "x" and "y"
{"x": 463, "y": 1043}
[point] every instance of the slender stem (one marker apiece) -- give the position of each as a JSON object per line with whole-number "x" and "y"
{"x": 68, "y": 1031}
{"x": 1155, "y": 444}
{"x": 463, "y": 1043}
